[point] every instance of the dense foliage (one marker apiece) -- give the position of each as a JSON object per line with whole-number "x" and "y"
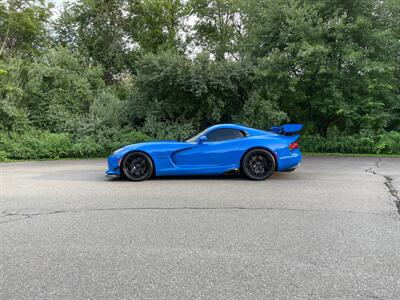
{"x": 100, "y": 74}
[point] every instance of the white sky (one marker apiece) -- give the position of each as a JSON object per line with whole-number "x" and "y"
{"x": 58, "y": 7}
{"x": 57, "y": 3}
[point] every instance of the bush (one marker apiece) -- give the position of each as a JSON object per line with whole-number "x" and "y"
{"x": 3, "y": 155}
{"x": 35, "y": 144}
{"x": 119, "y": 139}
{"x": 389, "y": 143}
{"x": 86, "y": 147}
{"x": 167, "y": 130}
{"x": 260, "y": 113}
{"x": 60, "y": 81}
{"x": 386, "y": 143}
{"x": 175, "y": 89}
{"x": 12, "y": 115}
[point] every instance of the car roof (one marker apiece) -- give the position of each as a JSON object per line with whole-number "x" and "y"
{"x": 249, "y": 131}
{"x": 227, "y": 125}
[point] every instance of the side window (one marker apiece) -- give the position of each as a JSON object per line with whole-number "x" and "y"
{"x": 224, "y": 134}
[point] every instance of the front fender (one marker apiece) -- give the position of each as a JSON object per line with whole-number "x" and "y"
{"x": 159, "y": 152}
{"x": 114, "y": 160}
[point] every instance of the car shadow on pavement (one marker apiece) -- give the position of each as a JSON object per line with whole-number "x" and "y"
{"x": 235, "y": 177}
{"x": 83, "y": 175}
{"x": 187, "y": 178}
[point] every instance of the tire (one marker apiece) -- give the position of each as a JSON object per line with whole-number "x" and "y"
{"x": 258, "y": 164}
{"x": 137, "y": 166}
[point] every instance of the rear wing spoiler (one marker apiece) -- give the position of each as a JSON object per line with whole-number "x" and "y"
{"x": 287, "y": 129}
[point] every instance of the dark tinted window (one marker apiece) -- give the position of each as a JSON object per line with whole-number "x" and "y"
{"x": 224, "y": 134}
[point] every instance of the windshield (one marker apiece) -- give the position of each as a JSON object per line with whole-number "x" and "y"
{"x": 194, "y": 139}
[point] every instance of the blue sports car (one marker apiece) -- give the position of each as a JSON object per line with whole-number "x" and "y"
{"x": 220, "y": 149}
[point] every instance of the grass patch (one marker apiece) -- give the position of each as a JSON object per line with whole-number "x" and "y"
{"x": 306, "y": 154}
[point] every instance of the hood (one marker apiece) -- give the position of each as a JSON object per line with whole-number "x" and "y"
{"x": 154, "y": 146}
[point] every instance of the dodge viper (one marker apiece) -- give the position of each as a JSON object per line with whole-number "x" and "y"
{"x": 220, "y": 149}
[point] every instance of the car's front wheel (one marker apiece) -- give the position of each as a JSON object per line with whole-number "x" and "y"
{"x": 137, "y": 166}
{"x": 258, "y": 164}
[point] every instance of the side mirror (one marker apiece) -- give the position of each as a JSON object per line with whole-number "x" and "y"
{"x": 202, "y": 139}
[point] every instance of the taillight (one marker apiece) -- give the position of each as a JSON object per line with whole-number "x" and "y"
{"x": 294, "y": 145}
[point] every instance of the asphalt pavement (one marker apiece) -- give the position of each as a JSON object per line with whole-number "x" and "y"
{"x": 331, "y": 229}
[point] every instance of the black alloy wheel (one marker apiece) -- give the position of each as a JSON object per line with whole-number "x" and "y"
{"x": 258, "y": 164}
{"x": 137, "y": 166}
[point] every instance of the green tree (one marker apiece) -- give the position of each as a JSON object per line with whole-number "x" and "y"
{"x": 23, "y": 26}
{"x": 154, "y": 24}
{"x": 218, "y": 26}
{"x": 115, "y": 33}
{"x": 63, "y": 92}
{"x": 96, "y": 28}
{"x": 12, "y": 115}
{"x": 172, "y": 87}
{"x": 259, "y": 112}
{"x": 325, "y": 65}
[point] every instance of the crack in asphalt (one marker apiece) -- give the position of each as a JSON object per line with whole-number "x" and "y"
{"x": 28, "y": 215}
{"x": 393, "y": 191}
{"x": 388, "y": 183}
{"x": 377, "y": 165}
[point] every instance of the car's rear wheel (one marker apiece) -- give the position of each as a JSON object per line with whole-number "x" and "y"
{"x": 137, "y": 166}
{"x": 258, "y": 164}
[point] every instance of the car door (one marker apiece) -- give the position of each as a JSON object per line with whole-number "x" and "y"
{"x": 222, "y": 148}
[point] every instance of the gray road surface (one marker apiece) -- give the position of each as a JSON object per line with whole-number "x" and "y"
{"x": 329, "y": 230}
